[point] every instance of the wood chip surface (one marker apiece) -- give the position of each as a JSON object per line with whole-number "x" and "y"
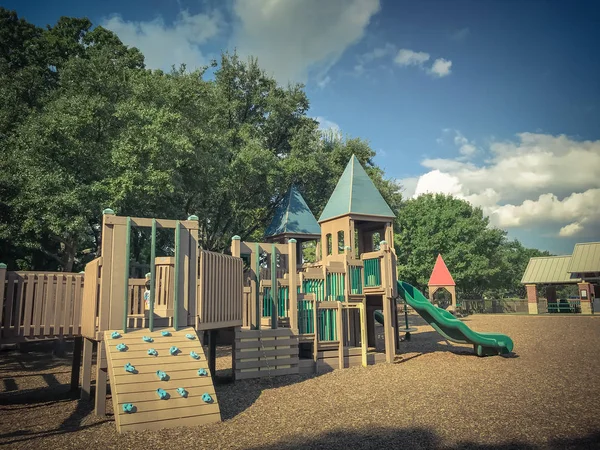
{"x": 440, "y": 395}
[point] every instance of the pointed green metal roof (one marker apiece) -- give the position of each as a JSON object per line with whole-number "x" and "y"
{"x": 355, "y": 193}
{"x": 293, "y": 217}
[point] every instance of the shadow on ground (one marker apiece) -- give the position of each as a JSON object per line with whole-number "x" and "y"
{"x": 417, "y": 438}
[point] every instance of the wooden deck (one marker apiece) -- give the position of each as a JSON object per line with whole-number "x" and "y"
{"x": 140, "y": 389}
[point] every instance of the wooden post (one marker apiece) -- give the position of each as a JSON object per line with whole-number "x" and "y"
{"x": 316, "y": 330}
{"x": 293, "y": 286}
{"x": 177, "y": 273}
{"x": 126, "y": 273}
{"x": 152, "y": 276}
{"x": 108, "y": 231}
{"x": 2, "y": 285}
{"x": 88, "y": 349}
{"x": 257, "y": 313}
{"x": 363, "y": 334}
{"x": 76, "y": 367}
{"x": 236, "y": 246}
{"x": 212, "y": 351}
{"x": 340, "y": 334}
{"x": 388, "y": 307}
{"x": 100, "y": 408}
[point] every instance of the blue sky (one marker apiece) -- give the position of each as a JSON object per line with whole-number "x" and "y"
{"x": 495, "y": 102}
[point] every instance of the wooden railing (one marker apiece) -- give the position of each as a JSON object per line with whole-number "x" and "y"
{"x": 36, "y": 305}
{"x": 220, "y": 290}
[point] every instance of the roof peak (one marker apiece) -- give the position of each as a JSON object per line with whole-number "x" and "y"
{"x": 293, "y": 216}
{"x": 355, "y": 193}
{"x": 440, "y": 275}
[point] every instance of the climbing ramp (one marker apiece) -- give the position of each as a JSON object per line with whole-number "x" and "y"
{"x": 168, "y": 387}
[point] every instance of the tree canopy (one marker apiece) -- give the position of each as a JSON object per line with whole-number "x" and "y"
{"x": 84, "y": 125}
{"x": 100, "y": 130}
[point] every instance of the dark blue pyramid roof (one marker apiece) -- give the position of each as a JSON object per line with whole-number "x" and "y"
{"x": 293, "y": 217}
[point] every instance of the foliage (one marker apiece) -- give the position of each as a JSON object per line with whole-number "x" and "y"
{"x": 99, "y": 130}
{"x": 479, "y": 257}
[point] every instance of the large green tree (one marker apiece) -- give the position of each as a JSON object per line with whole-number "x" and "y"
{"x": 100, "y": 130}
{"x": 435, "y": 224}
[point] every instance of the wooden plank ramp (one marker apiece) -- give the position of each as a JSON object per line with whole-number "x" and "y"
{"x": 141, "y": 388}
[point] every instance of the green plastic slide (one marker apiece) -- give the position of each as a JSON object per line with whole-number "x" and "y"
{"x": 451, "y": 328}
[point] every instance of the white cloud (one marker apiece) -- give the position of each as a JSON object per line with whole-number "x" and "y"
{"x": 538, "y": 180}
{"x": 296, "y": 39}
{"x": 328, "y": 125}
{"x": 441, "y": 67}
{"x": 165, "y": 45}
{"x": 377, "y": 53}
{"x": 406, "y": 57}
{"x": 570, "y": 230}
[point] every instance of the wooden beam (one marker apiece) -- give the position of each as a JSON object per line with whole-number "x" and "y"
{"x": 76, "y": 367}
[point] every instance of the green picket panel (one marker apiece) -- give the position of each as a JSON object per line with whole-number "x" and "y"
{"x": 356, "y": 279}
{"x": 372, "y": 272}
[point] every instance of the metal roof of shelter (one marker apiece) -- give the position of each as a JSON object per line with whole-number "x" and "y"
{"x": 355, "y": 193}
{"x": 585, "y": 258}
{"x": 549, "y": 270}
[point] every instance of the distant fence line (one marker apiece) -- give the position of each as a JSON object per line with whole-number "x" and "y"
{"x": 494, "y": 306}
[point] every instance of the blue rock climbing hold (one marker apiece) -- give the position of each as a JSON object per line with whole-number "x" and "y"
{"x": 190, "y": 336}
{"x": 152, "y": 352}
{"x": 148, "y": 339}
{"x": 121, "y": 347}
{"x": 129, "y": 368}
{"x": 162, "y": 394}
{"x": 206, "y": 398}
{"x": 202, "y": 372}
{"x": 115, "y": 335}
{"x": 162, "y": 375}
{"x": 173, "y": 350}
{"x": 128, "y": 408}
{"x": 165, "y": 333}
{"x": 182, "y": 392}
{"x": 194, "y": 355}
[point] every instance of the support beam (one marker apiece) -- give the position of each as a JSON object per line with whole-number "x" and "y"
{"x": 532, "y": 302}
{"x": 86, "y": 382}
{"x": 212, "y": 351}
{"x": 101, "y": 380}
{"x": 76, "y": 367}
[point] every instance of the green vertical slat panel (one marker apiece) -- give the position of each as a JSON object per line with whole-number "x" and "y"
{"x": 273, "y": 287}
{"x": 372, "y": 272}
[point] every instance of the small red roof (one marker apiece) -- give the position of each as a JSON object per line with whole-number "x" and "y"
{"x": 441, "y": 275}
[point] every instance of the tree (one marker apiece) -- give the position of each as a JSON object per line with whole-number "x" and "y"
{"x": 433, "y": 224}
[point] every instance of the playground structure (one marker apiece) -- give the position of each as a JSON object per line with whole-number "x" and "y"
{"x": 287, "y": 316}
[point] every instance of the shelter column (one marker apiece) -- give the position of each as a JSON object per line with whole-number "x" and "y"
{"x": 532, "y": 302}
{"x": 586, "y": 292}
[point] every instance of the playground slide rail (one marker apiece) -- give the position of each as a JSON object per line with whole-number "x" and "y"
{"x": 453, "y": 329}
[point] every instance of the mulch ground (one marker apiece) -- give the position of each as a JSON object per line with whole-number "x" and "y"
{"x": 438, "y": 396}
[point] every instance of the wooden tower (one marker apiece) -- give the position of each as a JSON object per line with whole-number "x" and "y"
{"x": 357, "y": 225}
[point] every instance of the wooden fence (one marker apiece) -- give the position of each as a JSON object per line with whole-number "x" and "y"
{"x": 37, "y": 305}
{"x": 220, "y": 291}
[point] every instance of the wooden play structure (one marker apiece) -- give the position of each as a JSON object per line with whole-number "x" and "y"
{"x": 287, "y": 316}
{"x": 441, "y": 279}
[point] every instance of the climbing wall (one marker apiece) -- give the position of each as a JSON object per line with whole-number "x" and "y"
{"x": 167, "y": 387}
